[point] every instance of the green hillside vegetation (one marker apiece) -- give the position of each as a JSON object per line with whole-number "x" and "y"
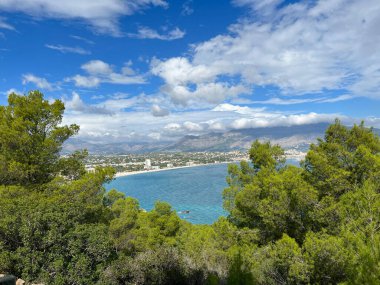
{"x": 314, "y": 224}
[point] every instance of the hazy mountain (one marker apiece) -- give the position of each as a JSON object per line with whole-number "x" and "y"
{"x": 288, "y": 137}
{"x": 112, "y": 148}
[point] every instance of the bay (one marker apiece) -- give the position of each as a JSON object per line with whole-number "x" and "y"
{"x": 194, "y": 190}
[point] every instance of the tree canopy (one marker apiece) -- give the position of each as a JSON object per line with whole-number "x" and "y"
{"x": 31, "y": 138}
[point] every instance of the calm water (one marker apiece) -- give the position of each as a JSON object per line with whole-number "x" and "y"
{"x": 195, "y": 189}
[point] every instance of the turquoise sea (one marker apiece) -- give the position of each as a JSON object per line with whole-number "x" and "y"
{"x": 194, "y": 189}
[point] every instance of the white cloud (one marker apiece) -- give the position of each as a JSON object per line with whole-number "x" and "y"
{"x": 180, "y": 71}
{"x": 40, "y": 82}
{"x": 187, "y": 83}
{"x": 5, "y": 25}
{"x": 110, "y": 105}
{"x": 264, "y": 7}
{"x": 246, "y": 117}
{"x": 216, "y": 126}
{"x": 101, "y": 72}
{"x": 76, "y": 104}
{"x": 79, "y": 38}
{"x": 158, "y": 111}
{"x": 299, "y": 48}
{"x": 213, "y": 93}
{"x": 281, "y": 101}
{"x": 339, "y": 98}
{"x": 66, "y": 49}
{"x": 102, "y": 15}
{"x": 239, "y": 117}
{"x": 187, "y": 8}
{"x": 155, "y": 136}
{"x": 121, "y": 119}
{"x": 283, "y": 120}
{"x": 173, "y": 127}
{"x": 84, "y": 81}
{"x": 96, "y": 67}
{"x": 119, "y": 104}
{"x": 12, "y": 90}
{"x": 235, "y": 108}
{"x": 192, "y": 127}
{"x": 292, "y": 101}
{"x": 148, "y": 33}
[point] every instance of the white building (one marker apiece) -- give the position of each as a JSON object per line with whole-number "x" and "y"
{"x": 90, "y": 169}
{"x": 147, "y": 164}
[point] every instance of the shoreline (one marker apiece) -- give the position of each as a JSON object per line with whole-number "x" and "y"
{"x": 128, "y": 173}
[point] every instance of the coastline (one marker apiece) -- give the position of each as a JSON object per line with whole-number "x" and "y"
{"x": 128, "y": 173}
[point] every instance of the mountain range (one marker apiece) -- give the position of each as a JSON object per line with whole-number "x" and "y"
{"x": 299, "y": 137}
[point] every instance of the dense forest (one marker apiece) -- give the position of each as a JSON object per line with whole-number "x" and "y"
{"x": 314, "y": 224}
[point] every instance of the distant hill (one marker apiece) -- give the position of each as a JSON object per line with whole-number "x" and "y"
{"x": 112, "y": 148}
{"x": 288, "y": 137}
{"x": 299, "y": 137}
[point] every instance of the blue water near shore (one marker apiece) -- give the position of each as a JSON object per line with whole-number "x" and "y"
{"x": 194, "y": 189}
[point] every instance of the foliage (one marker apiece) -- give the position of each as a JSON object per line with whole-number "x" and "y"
{"x": 314, "y": 224}
{"x": 345, "y": 159}
{"x": 31, "y": 138}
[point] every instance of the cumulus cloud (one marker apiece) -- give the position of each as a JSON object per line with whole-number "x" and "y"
{"x": 155, "y": 136}
{"x": 216, "y": 126}
{"x": 243, "y": 117}
{"x": 40, "y": 82}
{"x": 157, "y": 111}
{"x": 102, "y": 15}
{"x": 84, "y": 81}
{"x": 66, "y": 49}
{"x": 299, "y": 48}
{"x": 123, "y": 118}
{"x": 205, "y": 92}
{"x": 173, "y": 127}
{"x": 148, "y": 33}
{"x": 236, "y": 108}
{"x": 247, "y": 117}
{"x": 96, "y": 67}
{"x": 12, "y": 90}
{"x": 101, "y": 72}
{"x": 76, "y": 104}
{"x": 192, "y": 127}
{"x": 187, "y": 83}
{"x": 283, "y": 120}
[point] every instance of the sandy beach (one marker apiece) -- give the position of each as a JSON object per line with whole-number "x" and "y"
{"x": 127, "y": 173}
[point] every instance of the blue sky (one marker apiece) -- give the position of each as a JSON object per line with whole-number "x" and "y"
{"x": 158, "y": 69}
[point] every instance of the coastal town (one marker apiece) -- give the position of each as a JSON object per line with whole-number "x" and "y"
{"x": 127, "y": 164}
